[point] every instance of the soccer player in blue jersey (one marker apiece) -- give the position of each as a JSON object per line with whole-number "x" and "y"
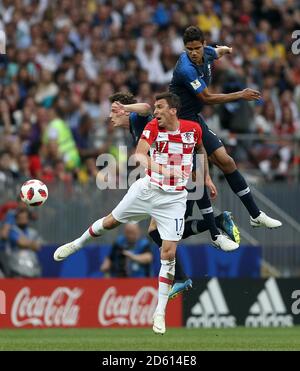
{"x": 127, "y": 113}
{"x": 191, "y": 78}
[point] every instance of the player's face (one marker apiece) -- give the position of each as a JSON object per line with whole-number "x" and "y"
{"x": 162, "y": 112}
{"x": 195, "y": 51}
{"x": 119, "y": 120}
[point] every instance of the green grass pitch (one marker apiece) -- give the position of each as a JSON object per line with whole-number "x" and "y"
{"x": 143, "y": 339}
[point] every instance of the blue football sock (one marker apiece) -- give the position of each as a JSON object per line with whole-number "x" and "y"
{"x": 240, "y": 188}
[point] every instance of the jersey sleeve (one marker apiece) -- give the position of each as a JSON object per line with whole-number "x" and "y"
{"x": 192, "y": 81}
{"x": 150, "y": 131}
{"x": 211, "y": 53}
{"x": 133, "y": 117}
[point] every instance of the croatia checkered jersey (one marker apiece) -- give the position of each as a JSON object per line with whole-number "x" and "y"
{"x": 172, "y": 149}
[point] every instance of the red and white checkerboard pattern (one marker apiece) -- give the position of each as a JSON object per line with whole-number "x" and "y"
{"x": 172, "y": 150}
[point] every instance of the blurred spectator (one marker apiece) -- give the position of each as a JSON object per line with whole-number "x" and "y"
{"x": 130, "y": 256}
{"x": 274, "y": 168}
{"x": 59, "y": 133}
{"x": 287, "y": 123}
{"x": 46, "y": 89}
{"x": 8, "y": 216}
{"x": 208, "y": 20}
{"x": 88, "y": 172}
{"x": 7, "y": 171}
{"x": 20, "y": 258}
{"x": 71, "y": 58}
{"x": 23, "y": 168}
{"x": 265, "y": 119}
{"x": 235, "y": 116}
{"x": 148, "y": 53}
{"x": 84, "y": 138}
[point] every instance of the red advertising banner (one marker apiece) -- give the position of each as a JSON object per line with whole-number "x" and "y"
{"x": 46, "y": 303}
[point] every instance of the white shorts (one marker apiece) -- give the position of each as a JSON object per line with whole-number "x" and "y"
{"x": 144, "y": 199}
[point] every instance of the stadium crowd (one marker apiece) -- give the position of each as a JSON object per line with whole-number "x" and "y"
{"x": 65, "y": 58}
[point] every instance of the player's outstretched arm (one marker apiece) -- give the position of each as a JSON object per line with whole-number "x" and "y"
{"x": 222, "y": 50}
{"x": 143, "y": 109}
{"x": 141, "y": 155}
{"x": 209, "y": 98}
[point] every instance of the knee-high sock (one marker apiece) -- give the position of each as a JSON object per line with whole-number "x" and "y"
{"x": 180, "y": 275}
{"x": 179, "y": 272}
{"x": 95, "y": 230}
{"x": 196, "y": 226}
{"x": 206, "y": 209}
{"x": 239, "y": 186}
{"x": 165, "y": 282}
{"x": 156, "y": 237}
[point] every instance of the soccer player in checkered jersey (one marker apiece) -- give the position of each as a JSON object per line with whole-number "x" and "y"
{"x": 127, "y": 113}
{"x": 161, "y": 194}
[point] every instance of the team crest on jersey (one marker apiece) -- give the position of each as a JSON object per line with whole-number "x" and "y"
{"x": 188, "y": 137}
{"x": 196, "y": 84}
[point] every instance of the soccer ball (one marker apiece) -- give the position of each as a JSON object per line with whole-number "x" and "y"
{"x": 34, "y": 192}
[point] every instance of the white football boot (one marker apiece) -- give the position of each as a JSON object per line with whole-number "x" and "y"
{"x": 64, "y": 251}
{"x": 159, "y": 326}
{"x": 263, "y": 220}
{"x": 225, "y": 243}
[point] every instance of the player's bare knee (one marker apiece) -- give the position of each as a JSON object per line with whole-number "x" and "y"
{"x": 168, "y": 250}
{"x": 167, "y": 255}
{"x": 225, "y": 163}
{"x": 228, "y": 165}
{"x": 152, "y": 226}
{"x": 110, "y": 222}
{"x": 150, "y": 229}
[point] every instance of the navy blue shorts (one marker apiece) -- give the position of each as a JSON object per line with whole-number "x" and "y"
{"x": 189, "y": 208}
{"x": 211, "y": 143}
{"x": 210, "y": 140}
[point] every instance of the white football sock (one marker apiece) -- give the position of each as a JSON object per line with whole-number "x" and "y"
{"x": 95, "y": 230}
{"x": 165, "y": 282}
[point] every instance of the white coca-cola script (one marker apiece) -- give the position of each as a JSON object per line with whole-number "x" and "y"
{"x": 127, "y": 310}
{"x": 57, "y": 309}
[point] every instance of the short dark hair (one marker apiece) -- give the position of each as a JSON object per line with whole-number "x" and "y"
{"x": 172, "y": 99}
{"x": 193, "y": 33}
{"x": 124, "y": 98}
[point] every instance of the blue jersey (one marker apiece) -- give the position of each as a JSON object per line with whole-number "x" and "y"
{"x": 125, "y": 267}
{"x": 189, "y": 80}
{"x": 137, "y": 124}
{"x": 16, "y": 233}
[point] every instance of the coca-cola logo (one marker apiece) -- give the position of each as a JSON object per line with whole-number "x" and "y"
{"x": 57, "y": 309}
{"x": 124, "y": 310}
